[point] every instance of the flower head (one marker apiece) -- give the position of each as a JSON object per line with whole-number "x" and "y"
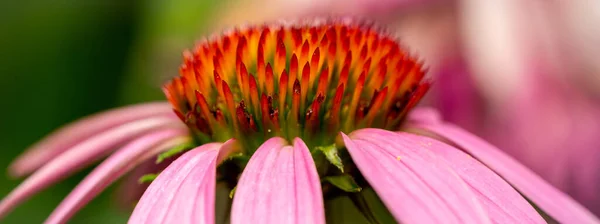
{"x": 290, "y": 117}
{"x": 307, "y": 80}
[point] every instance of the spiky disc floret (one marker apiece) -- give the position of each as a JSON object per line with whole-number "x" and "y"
{"x": 310, "y": 80}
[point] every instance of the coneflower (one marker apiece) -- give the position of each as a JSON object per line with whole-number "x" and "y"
{"x": 288, "y": 117}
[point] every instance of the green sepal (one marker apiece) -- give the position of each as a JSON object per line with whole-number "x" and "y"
{"x": 361, "y": 204}
{"x": 147, "y": 178}
{"x": 174, "y": 151}
{"x": 240, "y": 159}
{"x": 331, "y": 153}
{"x": 344, "y": 182}
{"x": 232, "y": 192}
{"x": 376, "y": 207}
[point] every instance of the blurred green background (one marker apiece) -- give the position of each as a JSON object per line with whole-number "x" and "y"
{"x": 61, "y": 60}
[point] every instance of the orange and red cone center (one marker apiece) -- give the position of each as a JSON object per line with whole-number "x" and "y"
{"x": 308, "y": 80}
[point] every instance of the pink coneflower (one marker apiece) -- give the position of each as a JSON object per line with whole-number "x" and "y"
{"x": 288, "y": 117}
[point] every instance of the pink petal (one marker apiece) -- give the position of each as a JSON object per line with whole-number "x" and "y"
{"x": 362, "y": 8}
{"x": 280, "y": 184}
{"x": 424, "y": 115}
{"x": 229, "y": 147}
{"x": 79, "y": 156}
{"x": 130, "y": 190}
{"x": 184, "y": 192}
{"x": 113, "y": 168}
{"x": 414, "y": 184}
{"x": 68, "y": 136}
{"x": 502, "y": 203}
{"x": 377, "y": 8}
{"x": 555, "y": 203}
{"x": 458, "y": 99}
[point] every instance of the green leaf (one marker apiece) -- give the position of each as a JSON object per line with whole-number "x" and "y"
{"x": 344, "y": 182}
{"x": 174, "y": 151}
{"x": 232, "y": 192}
{"x": 331, "y": 153}
{"x": 147, "y": 178}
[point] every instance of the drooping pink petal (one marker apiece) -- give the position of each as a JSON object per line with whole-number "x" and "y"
{"x": 555, "y": 203}
{"x": 131, "y": 190}
{"x": 280, "y": 184}
{"x": 184, "y": 192}
{"x": 414, "y": 184}
{"x": 81, "y": 155}
{"x": 502, "y": 203}
{"x": 113, "y": 168}
{"x": 68, "y": 136}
